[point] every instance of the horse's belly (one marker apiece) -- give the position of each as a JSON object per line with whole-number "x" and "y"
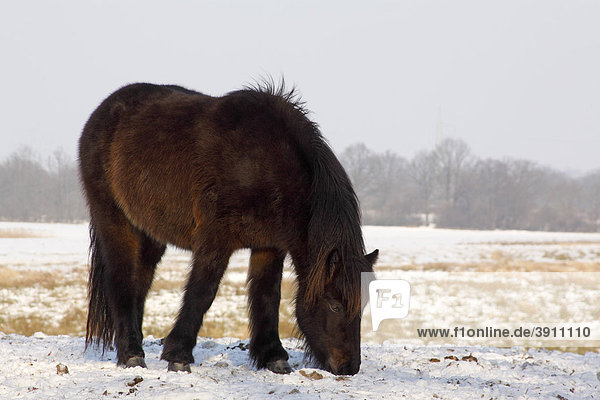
{"x": 153, "y": 188}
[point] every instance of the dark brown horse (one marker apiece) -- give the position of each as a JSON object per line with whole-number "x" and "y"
{"x": 163, "y": 164}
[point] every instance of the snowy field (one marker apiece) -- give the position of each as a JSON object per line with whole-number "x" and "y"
{"x": 457, "y": 278}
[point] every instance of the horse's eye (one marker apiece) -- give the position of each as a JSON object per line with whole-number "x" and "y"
{"x": 334, "y": 307}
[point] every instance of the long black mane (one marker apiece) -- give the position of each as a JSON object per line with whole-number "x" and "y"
{"x": 335, "y": 221}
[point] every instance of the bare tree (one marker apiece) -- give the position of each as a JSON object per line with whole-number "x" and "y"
{"x": 31, "y": 192}
{"x": 361, "y": 166}
{"x": 23, "y": 185}
{"x": 451, "y": 156}
{"x": 67, "y": 202}
{"x": 389, "y": 200}
{"x": 449, "y": 183}
{"x": 590, "y": 201}
{"x": 424, "y": 170}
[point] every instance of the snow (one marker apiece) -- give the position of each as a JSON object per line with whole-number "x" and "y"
{"x": 403, "y": 246}
{"x": 405, "y": 367}
{"x": 66, "y": 245}
{"x": 222, "y": 371}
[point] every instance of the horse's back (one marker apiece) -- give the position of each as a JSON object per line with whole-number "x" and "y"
{"x": 137, "y": 151}
{"x": 175, "y": 159}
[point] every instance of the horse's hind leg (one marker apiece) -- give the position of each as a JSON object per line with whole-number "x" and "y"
{"x": 149, "y": 254}
{"x": 264, "y": 295}
{"x": 113, "y": 287}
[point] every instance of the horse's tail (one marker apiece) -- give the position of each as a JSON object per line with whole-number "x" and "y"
{"x": 99, "y": 322}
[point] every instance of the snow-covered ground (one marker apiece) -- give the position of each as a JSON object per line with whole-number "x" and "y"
{"x": 65, "y": 245}
{"x": 454, "y": 281}
{"x": 405, "y": 246}
{"x": 388, "y": 371}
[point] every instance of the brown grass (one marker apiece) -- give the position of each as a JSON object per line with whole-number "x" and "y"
{"x": 234, "y": 323}
{"x": 172, "y": 276}
{"x": 557, "y": 256}
{"x": 505, "y": 265}
{"x": 12, "y": 278}
{"x": 73, "y": 323}
{"x": 165, "y": 284}
{"x": 18, "y": 233}
{"x": 545, "y": 243}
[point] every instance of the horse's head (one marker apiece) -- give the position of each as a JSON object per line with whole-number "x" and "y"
{"x": 328, "y": 310}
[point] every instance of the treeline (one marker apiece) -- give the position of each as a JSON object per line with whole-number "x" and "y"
{"x": 450, "y": 187}
{"x": 32, "y": 189}
{"x": 447, "y": 186}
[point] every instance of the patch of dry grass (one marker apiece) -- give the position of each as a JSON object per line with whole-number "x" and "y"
{"x": 166, "y": 284}
{"x": 233, "y": 321}
{"x": 557, "y": 255}
{"x": 18, "y": 233}
{"x": 500, "y": 264}
{"x": 546, "y": 243}
{"x": 73, "y": 323}
{"x": 12, "y": 278}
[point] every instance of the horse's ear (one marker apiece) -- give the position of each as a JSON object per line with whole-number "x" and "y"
{"x": 372, "y": 257}
{"x": 334, "y": 258}
{"x": 334, "y": 263}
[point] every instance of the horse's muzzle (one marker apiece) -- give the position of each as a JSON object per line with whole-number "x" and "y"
{"x": 346, "y": 368}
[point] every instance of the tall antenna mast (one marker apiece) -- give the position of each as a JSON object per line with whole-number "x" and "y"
{"x": 439, "y": 127}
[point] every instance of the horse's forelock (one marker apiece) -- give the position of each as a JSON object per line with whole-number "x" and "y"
{"x": 318, "y": 276}
{"x": 349, "y": 282}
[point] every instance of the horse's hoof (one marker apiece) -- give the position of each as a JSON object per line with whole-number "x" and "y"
{"x": 136, "y": 361}
{"x": 179, "y": 367}
{"x": 279, "y": 367}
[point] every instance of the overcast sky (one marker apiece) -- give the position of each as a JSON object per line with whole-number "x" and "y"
{"x": 511, "y": 78}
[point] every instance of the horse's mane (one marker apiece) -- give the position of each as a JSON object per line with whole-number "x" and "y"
{"x": 335, "y": 212}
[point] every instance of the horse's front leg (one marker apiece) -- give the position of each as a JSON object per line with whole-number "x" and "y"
{"x": 200, "y": 291}
{"x": 264, "y": 295}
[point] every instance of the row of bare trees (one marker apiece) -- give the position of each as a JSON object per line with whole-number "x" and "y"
{"x": 447, "y": 186}
{"x": 32, "y": 189}
{"x": 451, "y": 187}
